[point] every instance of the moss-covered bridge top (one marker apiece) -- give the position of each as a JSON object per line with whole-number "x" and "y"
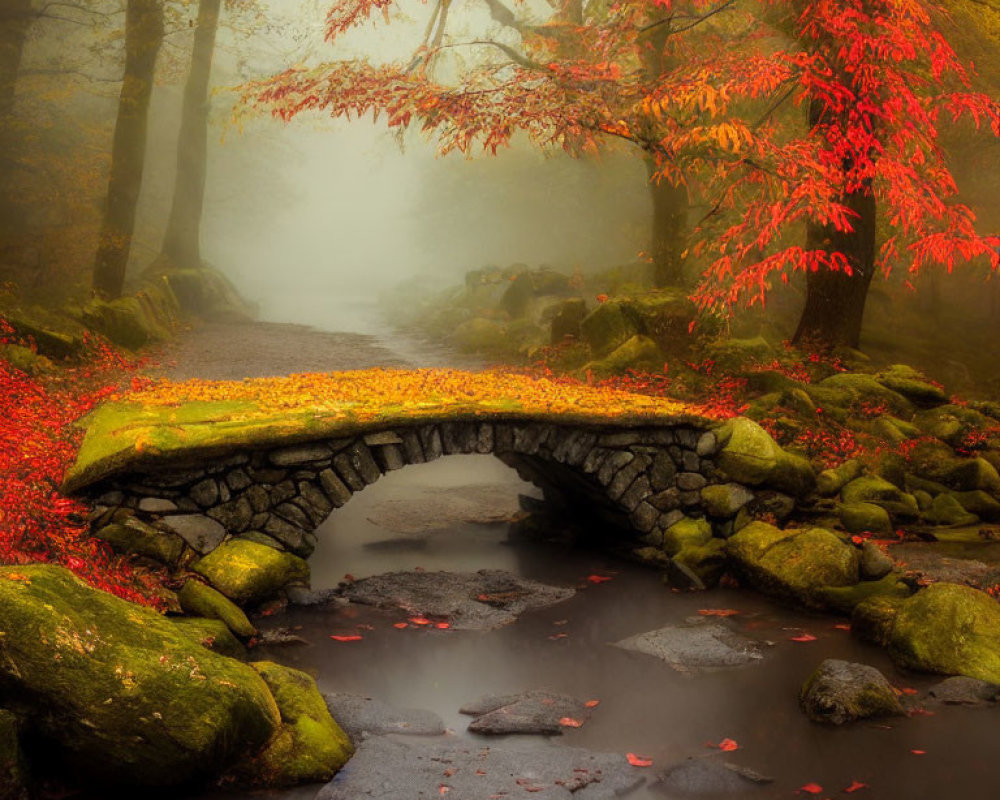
{"x": 173, "y": 422}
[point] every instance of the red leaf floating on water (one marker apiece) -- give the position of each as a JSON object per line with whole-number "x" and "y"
{"x": 555, "y": 636}
{"x": 855, "y": 786}
{"x": 592, "y": 703}
{"x": 420, "y": 621}
{"x": 598, "y": 578}
{"x": 638, "y": 761}
{"x": 717, "y": 612}
{"x": 728, "y": 745}
{"x": 843, "y": 626}
{"x": 811, "y": 788}
{"x": 918, "y": 752}
{"x": 442, "y": 625}
{"x": 805, "y": 637}
{"x": 400, "y": 625}
{"x": 908, "y": 690}
{"x": 569, "y": 722}
{"x": 442, "y": 789}
{"x": 353, "y": 638}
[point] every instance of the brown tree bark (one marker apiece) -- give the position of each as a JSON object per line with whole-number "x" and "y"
{"x": 835, "y": 301}
{"x": 143, "y": 36}
{"x": 182, "y": 243}
{"x": 668, "y": 238}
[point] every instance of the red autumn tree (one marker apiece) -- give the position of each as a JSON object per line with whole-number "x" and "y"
{"x": 713, "y": 107}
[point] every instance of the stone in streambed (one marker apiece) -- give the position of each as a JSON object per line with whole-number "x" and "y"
{"x": 706, "y": 776}
{"x": 248, "y": 572}
{"x": 116, "y": 690}
{"x": 841, "y": 691}
{"x": 964, "y": 691}
{"x": 698, "y": 645}
{"x": 532, "y": 712}
{"x": 864, "y": 518}
{"x": 361, "y": 716}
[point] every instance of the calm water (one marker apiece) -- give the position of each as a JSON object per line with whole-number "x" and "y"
{"x": 645, "y": 707}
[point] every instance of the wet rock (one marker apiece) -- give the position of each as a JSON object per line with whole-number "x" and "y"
{"x": 362, "y": 716}
{"x": 471, "y": 601}
{"x": 687, "y": 532}
{"x": 725, "y": 499}
{"x": 136, "y": 537}
{"x": 945, "y": 628}
{"x": 156, "y": 505}
{"x": 247, "y": 572}
{"x": 875, "y": 563}
{"x": 404, "y": 768}
{"x": 865, "y": 518}
{"x": 278, "y": 637}
{"x": 146, "y": 705}
{"x": 309, "y": 746}
{"x": 964, "y": 691}
{"x": 533, "y": 712}
{"x": 204, "y": 601}
{"x": 878, "y": 491}
{"x": 211, "y": 633}
{"x": 844, "y": 599}
{"x": 698, "y": 567}
{"x": 793, "y": 563}
{"x": 708, "y": 777}
{"x": 946, "y": 510}
{"x": 202, "y": 533}
{"x": 696, "y": 646}
{"x": 841, "y": 691}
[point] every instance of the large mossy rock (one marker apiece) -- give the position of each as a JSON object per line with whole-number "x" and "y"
{"x": 945, "y": 628}
{"x": 132, "y": 536}
{"x": 204, "y": 601}
{"x": 480, "y": 335}
{"x": 638, "y": 353}
{"x": 874, "y": 490}
{"x": 749, "y": 455}
{"x": 247, "y": 572}
{"x": 116, "y": 690}
{"x": 912, "y": 385}
{"x": 862, "y": 389}
{"x": 793, "y": 564}
{"x": 842, "y": 691}
{"x": 310, "y": 746}
{"x": 609, "y": 326}
{"x": 127, "y": 321}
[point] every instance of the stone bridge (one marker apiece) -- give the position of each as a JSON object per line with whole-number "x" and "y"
{"x": 199, "y": 472}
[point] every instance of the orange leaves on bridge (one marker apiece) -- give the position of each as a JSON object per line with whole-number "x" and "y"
{"x": 367, "y": 395}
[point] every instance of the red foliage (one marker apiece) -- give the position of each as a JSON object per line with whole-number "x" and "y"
{"x": 37, "y": 443}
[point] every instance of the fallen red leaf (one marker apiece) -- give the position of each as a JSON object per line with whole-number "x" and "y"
{"x": 843, "y": 626}
{"x": 717, "y": 612}
{"x": 598, "y": 578}
{"x": 353, "y": 638}
{"x": 442, "y": 789}
{"x": 638, "y": 761}
{"x": 908, "y": 690}
{"x": 400, "y": 625}
{"x": 592, "y": 703}
{"x": 855, "y": 786}
{"x": 569, "y": 722}
{"x": 804, "y": 637}
{"x": 919, "y": 752}
{"x": 348, "y": 577}
{"x": 442, "y": 625}
{"x": 555, "y": 636}
{"x": 420, "y": 621}
{"x": 811, "y": 788}
{"x": 728, "y": 745}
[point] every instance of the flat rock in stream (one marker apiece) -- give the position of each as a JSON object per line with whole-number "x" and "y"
{"x": 397, "y": 768}
{"x": 697, "y": 645}
{"x": 480, "y": 600}
{"x": 708, "y": 777}
{"x": 537, "y": 712}
{"x": 965, "y": 691}
{"x": 360, "y": 716}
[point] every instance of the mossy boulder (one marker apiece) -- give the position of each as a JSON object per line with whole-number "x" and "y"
{"x": 749, "y": 455}
{"x": 794, "y": 563}
{"x": 707, "y": 562}
{"x": 132, "y": 536}
{"x": 831, "y": 481}
{"x": 116, "y": 690}
{"x": 211, "y": 633}
{"x": 862, "y": 388}
{"x": 946, "y": 510}
{"x": 844, "y": 599}
{"x": 309, "y": 746}
{"x": 951, "y": 423}
{"x": 944, "y": 628}
{"x": 248, "y": 572}
{"x": 725, "y": 499}
{"x": 737, "y": 353}
{"x": 13, "y": 775}
{"x": 638, "y": 353}
{"x": 56, "y": 335}
{"x": 200, "y": 289}
{"x": 864, "y": 518}
{"x": 528, "y": 284}
{"x": 24, "y": 359}
{"x": 841, "y": 691}
{"x": 480, "y": 335}
{"x": 979, "y": 503}
{"x": 878, "y": 491}
{"x": 609, "y": 326}
{"x": 912, "y": 385}
{"x": 566, "y": 319}
{"x": 688, "y": 532}
{"x": 126, "y": 321}
{"x": 204, "y": 601}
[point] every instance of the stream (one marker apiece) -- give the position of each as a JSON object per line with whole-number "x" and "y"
{"x": 456, "y": 515}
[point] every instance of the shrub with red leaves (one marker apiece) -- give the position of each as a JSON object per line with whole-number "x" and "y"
{"x": 38, "y": 441}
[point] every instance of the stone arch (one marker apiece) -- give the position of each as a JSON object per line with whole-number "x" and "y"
{"x": 642, "y": 478}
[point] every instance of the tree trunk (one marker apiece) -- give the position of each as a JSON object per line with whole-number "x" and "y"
{"x": 15, "y": 19}
{"x": 669, "y": 233}
{"x": 143, "y": 35}
{"x": 182, "y": 243}
{"x": 835, "y": 301}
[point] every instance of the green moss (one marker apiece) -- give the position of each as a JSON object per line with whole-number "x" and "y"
{"x": 480, "y": 335}
{"x": 748, "y": 453}
{"x": 204, "y": 601}
{"x": 708, "y": 561}
{"x": 247, "y": 572}
{"x": 609, "y": 326}
{"x": 912, "y": 385}
{"x": 873, "y": 617}
{"x": 684, "y": 533}
{"x": 949, "y": 629}
{"x": 125, "y": 696}
{"x": 831, "y": 481}
{"x": 135, "y": 537}
{"x": 638, "y": 353}
{"x": 793, "y": 564}
{"x": 946, "y": 510}
{"x": 211, "y": 633}
{"x": 878, "y": 491}
{"x": 864, "y": 517}
{"x": 863, "y": 388}
{"x": 310, "y": 746}
{"x": 845, "y": 598}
